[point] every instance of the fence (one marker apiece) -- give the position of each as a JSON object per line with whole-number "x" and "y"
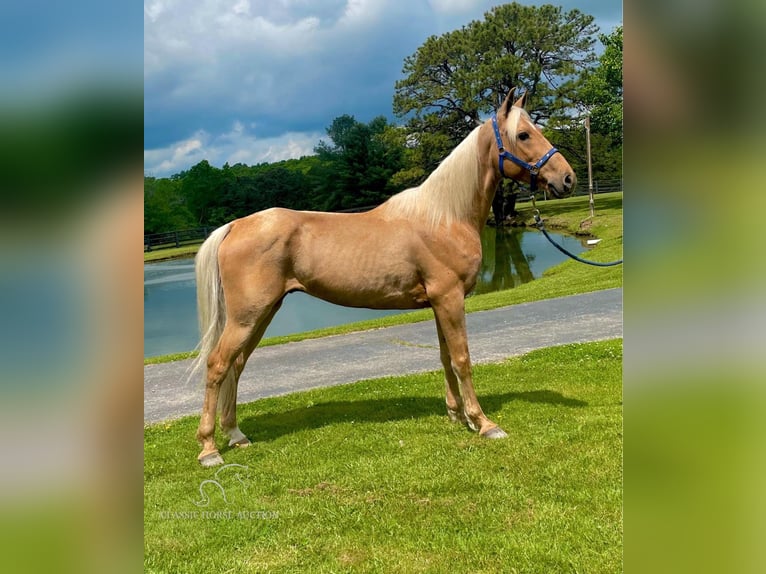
{"x": 176, "y": 238}
{"x": 604, "y": 186}
{"x": 599, "y": 186}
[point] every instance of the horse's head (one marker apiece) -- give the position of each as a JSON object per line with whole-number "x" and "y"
{"x": 524, "y": 154}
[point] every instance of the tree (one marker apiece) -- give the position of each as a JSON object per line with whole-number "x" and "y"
{"x": 454, "y": 79}
{"x": 357, "y": 165}
{"x": 202, "y": 186}
{"x": 600, "y": 95}
{"x": 602, "y": 89}
{"x": 164, "y": 206}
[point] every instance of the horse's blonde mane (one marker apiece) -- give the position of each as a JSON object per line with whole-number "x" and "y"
{"x": 512, "y": 122}
{"x": 449, "y": 192}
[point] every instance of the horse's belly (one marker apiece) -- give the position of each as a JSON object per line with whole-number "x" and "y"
{"x": 364, "y": 281}
{"x": 353, "y": 260}
{"x": 372, "y": 291}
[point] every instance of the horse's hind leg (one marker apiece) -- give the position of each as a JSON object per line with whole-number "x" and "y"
{"x": 229, "y": 398}
{"x": 219, "y": 366}
{"x": 227, "y": 401}
{"x": 224, "y": 366}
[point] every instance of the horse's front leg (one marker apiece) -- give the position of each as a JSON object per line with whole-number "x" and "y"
{"x": 450, "y": 320}
{"x": 455, "y": 409}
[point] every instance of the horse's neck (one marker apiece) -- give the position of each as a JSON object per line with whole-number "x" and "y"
{"x": 458, "y": 190}
{"x": 485, "y": 196}
{"x": 489, "y": 179}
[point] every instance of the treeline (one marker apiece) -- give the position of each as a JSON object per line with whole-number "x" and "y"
{"x": 354, "y": 169}
{"x": 450, "y": 83}
{"x": 362, "y": 165}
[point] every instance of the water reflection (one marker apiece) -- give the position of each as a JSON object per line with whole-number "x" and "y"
{"x": 510, "y": 257}
{"x": 515, "y": 256}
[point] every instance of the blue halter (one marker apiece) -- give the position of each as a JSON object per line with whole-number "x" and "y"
{"x": 533, "y": 169}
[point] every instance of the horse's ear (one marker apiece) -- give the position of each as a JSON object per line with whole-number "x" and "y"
{"x": 505, "y": 107}
{"x": 522, "y": 101}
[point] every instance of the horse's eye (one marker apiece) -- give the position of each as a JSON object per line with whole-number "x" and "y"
{"x": 523, "y": 136}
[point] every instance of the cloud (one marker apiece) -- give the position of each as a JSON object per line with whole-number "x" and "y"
{"x": 286, "y": 66}
{"x": 451, "y": 6}
{"x": 296, "y": 69}
{"x": 238, "y": 145}
{"x": 162, "y": 162}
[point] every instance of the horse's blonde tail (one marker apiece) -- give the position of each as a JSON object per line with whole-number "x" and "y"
{"x": 211, "y": 306}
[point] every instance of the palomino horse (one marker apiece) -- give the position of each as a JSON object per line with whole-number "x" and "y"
{"x": 421, "y": 248}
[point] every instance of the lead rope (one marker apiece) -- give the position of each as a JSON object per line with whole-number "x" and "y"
{"x": 541, "y": 226}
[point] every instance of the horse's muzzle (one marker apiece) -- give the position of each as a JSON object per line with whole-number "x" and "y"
{"x": 564, "y": 187}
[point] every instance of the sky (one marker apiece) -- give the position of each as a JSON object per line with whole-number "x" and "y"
{"x": 252, "y": 81}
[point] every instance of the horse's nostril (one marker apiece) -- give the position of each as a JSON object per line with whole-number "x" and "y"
{"x": 568, "y": 179}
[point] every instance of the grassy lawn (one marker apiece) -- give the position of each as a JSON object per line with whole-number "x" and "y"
{"x": 568, "y": 278}
{"x": 372, "y": 477}
{"x": 171, "y": 253}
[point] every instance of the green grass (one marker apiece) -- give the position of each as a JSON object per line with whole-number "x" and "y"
{"x": 568, "y": 278}
{"x": 372, "y": 477}
{"x": 172, "y": 357}
{"x": 171, "y": 253}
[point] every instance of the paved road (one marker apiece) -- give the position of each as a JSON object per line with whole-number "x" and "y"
{"x": 492, "y": 336}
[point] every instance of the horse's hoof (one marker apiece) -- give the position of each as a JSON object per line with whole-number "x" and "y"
{"x": 212, "y": 459}
{"x": 237, "y": 437}
{"x": 495, "y": 432}
{"x": 241, "y": 443}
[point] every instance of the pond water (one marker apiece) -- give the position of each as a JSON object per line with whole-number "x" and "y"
{"x": 510, "y": 257}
